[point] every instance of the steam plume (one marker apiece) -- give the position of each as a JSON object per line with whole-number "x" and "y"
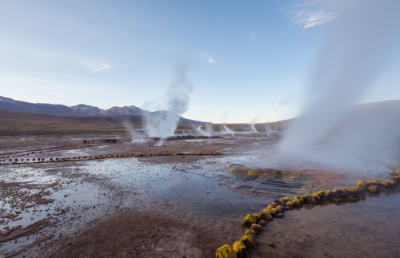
{"x": 356, "y": 50}
{"x": 136, "y": 136}
{"x": 253, "y": 124}
{"x": 164, "y": 123}
{"x": 207, "y": 132}
{"x": 224, "y": 128}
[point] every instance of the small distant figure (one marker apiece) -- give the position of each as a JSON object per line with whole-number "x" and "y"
{"x": 84, "y": 142}
{"x": 114, "y": 141}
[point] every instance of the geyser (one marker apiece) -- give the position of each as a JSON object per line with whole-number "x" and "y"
{"x": 164, "y": 123}
{"x": 207, "y": 132}
{"x": 356, "y": 50}
{"x": 253, "y": 124}
{"x": 225, "y": 130}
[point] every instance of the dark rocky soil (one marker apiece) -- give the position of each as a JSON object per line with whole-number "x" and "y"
{"x": 142, "y": 234}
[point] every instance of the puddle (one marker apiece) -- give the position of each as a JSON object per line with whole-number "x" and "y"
{"x": 92, "y": 189}
{"x": 368, "y": 228}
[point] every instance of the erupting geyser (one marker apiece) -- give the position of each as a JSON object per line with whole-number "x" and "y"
{"x": 253, "y": 124}
{"x": 207, "y": 132}
{"x": 164, "y": 123}
{"x": 357, "y": 49}
{"x": 226, "y": 130}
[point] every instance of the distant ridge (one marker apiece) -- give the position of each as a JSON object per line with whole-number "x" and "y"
{"x": 78, "y": 110}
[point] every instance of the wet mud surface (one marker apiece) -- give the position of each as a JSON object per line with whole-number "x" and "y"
{"x": 49, "y": 209}
{"x": 367, "y": 228}
{"x": 143, "y": 234}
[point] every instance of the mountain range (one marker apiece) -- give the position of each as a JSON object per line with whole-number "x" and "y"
{"x": 78, "y": 110}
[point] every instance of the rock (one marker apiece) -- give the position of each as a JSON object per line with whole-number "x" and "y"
{"x": 257, "y": 228}
{"x": 355, "y": 191}
{"x": 225, "y": 251}
{"x": 317, "y": 196}
{"x": 289, "y": 205}
{"x": 277, "y": 202}
{"x": 308, "y": 198}
{"x": 247, "y": 240}
{"x": 266, "y": 214}
{"x": 299, "y": 199}
{"x": 328, "y": 195}
{"x": 240, "y": 249}
{"x": 373, "y": 189}
{"x": 362, "y": 184}
{"x": 279, "y": 209}
{"x": 388, "y": 183}
{"x": 245, "y": 223}
{"x": 256, "y": 216}
{"x": 285, "y": 200}
{"x": 374, "y": 182}
{"x": 321, "y": 194}
{"x": 262, "y": 223}
{"x": 340, "y": 193}
{"x": 396, "y": 179}
{"x": 248, "y": 220}
{"x": 250, "y": 232}
{"x": 296, "y": 203}
{"x": 271, "y": 244}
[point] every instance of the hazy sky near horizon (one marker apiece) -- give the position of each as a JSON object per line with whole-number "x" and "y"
{"x": 245, "y": 59}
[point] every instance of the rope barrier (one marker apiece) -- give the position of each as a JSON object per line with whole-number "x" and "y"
{"x": 46, "y": 150}
{"x": 17, "y": 161}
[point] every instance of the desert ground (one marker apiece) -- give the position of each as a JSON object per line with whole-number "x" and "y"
{"x": 179, "y": 205}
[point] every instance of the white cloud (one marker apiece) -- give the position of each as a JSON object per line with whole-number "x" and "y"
{"x": 311, "y": 13}
{"x": 311, "y": 19}
{"x": 209, "y": 58}
{"x": 97, "y": 66}
{"x": 253, "y": 36}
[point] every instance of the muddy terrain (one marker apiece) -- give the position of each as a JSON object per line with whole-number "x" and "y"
{"x": 171, "y": 205}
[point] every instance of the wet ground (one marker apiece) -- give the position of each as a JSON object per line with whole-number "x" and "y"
{"x": 368, "y": 228}
{"x": 50, "y": 204}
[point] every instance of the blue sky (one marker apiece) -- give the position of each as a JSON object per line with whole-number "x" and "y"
{"x": 245, "y": 59}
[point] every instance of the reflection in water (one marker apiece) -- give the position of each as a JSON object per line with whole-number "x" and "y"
{"x": 91, "y": 190}
{"x": 367, "y": 228}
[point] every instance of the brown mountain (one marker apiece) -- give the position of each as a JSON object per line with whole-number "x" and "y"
{"x": 19, "y": 117}
{"x": 78, "y": 110}
{"x": 10, "y": 104}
